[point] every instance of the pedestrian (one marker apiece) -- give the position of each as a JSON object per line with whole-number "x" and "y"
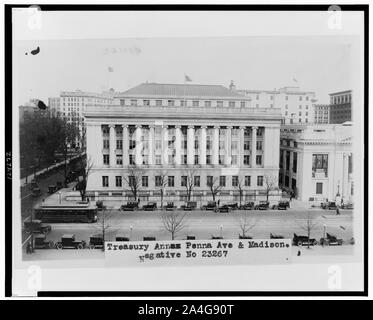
{"x": 299, "y": 253}
{"x": 337, "y": 212}
{"x": 28, "y": 248}
{"x": 218, "y": 202}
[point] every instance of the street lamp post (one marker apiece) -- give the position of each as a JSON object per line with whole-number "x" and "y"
{"x": 221, "y": 230}
{"x": 131, "y": 227}
{"x": 324, "y": 230}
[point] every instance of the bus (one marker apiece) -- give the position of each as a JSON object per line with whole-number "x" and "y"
{"x": 80, "y": 211}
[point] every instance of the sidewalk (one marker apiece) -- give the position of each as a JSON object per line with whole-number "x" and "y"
{"x": 300, "y": 205}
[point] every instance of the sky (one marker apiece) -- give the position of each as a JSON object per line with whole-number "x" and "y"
{"x": 322, "y": 64}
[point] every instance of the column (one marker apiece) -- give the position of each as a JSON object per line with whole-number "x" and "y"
{"x": 151, "y": 144}
{"x": 241, "y": 149}
{"x": 94, "y": 143}
{"x": 190, "y": 145}
{"x": 139, "y": 146}
{"x": 112, "y": 145}
{"x": 253, "y": 147}
{"x": 164, "y": 144}
{"x": 228, "y": 140}
{"x": 345, "y": 177}
{"x": 203, "y": 145}
{"x": 125, "y": 145}
{"x": 215, "y": 146}
{"x": 177, "y": 145}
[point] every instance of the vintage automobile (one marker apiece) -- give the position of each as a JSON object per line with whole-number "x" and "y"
{"x": 149, "y": 238}
{"x": 282, "y": 205}
{"x": 52, "y": 189}
{"x": 331, "y": 205}
{"x": 36, "y": 226}
{"x": 210, "y": 206}
{"x": 68, "y": 242}
{"x": 121, "y": 238}
{"x": 150, "y": 206}
{"x": 96, "y": 241}
{"x": 275, "y": 236}
{"x": 36, "y": 192}
{"x": 216, "y": 237}
{"x": 244, "y": 237}
{"x": 190, "y": 238}
{"x": 248, "y": 206}
{"x": 33, "y": 184}
{"x": 233, "y": 205}
{"x": 224, "y": 208}
{"x": 331, "y": 240}
{"x": 303, "y": 240}
{"x": 40, "y": 242}
{"x": 100, "y": 204}
{"x": 189, "y": 206}
{"x": 263, "y": 205}
{"x": 130, "y": 206}
{"x": 170, "y": 206}
{"x": 348, "y": 206}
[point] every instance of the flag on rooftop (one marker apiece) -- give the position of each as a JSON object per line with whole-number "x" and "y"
{"x": 187, "y": 78}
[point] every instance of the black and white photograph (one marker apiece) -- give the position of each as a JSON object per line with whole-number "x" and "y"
{"x": 188, "y": 150}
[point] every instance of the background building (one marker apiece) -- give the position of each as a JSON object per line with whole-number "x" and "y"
{"x": 341, "y": 106}
{"x": 316, "y": 161}
{"x": 29, "y": 109}
{"x": 296, "y": 106}
{"x": 321, "y": 112}
{"x": 207, "y": 131}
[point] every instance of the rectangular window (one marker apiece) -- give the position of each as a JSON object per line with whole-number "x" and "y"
{"x": 133, "y": 102}
{"x": 318, "y": 187}
{"x": 145, "y": 159}
{"x": 234, "y": 181}
{"x": 246, "y": 145}
{"x": 106, "y": 144}
{"x": 119, "y": 159}
{"x": 208, "y": 144}
{"x": 132, "y": 144}
{"x": 207, "y": 103}
{"x": 185, "y": 159}
{"x": 171, "y": 103}
{"x": 145, "y": 181}
{"x": 234, "y": 160}
{"x": 105, "y": 181}
{"x": 146, "y": 102}
{"x": 105, "y": 129}
{"x": 131, "y": 159}
{"x": 209, "y": 180}
{"x": 182, "y": 103}
{"x": 232, "y": 104}
{"x": 158, "y": 103}
{"x": 320, "y": 163}
{"x": 221, "y": 145}
{"x": 158, "y": 144}
{"x": 119, "y": 144}
{"x": 185, "y": 144}
{"x": 259, "y": 181}
{"x": 259, "y": 145}
{"x": 171, "y": 159}
{"x": 106, "y": 159}
{"x": 118, "y": 181}
{"x": 259, "y": 160}
{"x": 195, "y": 103}
{"x": 122, "y": 102}
{"x": 184, "y": 180}
{"x": 243, "y": 104}
{"x": 247, "y": 181}
{"x": 196, "y": 159}
{"x": 197, "y": 181}
{"x": 246, "y": 160}
{"x": 222, "y": 181}
{"x": 219, "y": 104}
{"x": 234, "y": 145}
{"x": 208, "y": 159}
{"x": 158, "y": 181}
{"x": 295, "y": 158}
{"x": 158, "y": 159}
{"x": 196, "y": 145}
{"x": 171, "y": 181}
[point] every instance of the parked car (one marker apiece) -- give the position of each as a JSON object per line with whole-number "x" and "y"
{"x": 189, "y": 206}
{"x": 282, "y": 205}
{"x": 248, "y": 206}
{"x": 191, "y": 238}
{"x": 36, "y": 192}
{"x": 275, "y": 236}
{"x": 68, "y": 242}
{"x": 224, "y": 208}
{"x": 33, "y": 184}
{"x": 40, "y": 242}
{"x": 210, "y": 206}
{"x": 100, "y": 204}
{"x": 36, "y": 226}
{"x": 233, "y": 205}
{"x": 52, "y": 189}
{"x": 96, "y": 241}
{"x": 170, "y": 206}
{"x": 121, "y": 238}
{"x": 150, "y": 206}
{"x": 149, "y": 238}
{"x": 244, "y": 237}
{"x": 348, "y": 206}
{"x": 263, "y": 205}
{"x": 216, "y": 238}
{"x": 130, "y": 206}
{"x": 303, "y": 240}
{"x": 331, "y": 205}
{"x": 331, "y": 240}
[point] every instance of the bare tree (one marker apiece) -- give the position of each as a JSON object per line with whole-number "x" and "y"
{"x": 271, "y": 183}
{"x": 85, "y": 169}
{"x": 163, "y": 181}
{"x": 105, "y": 228}
{"x": 240, "y": 188}
{"x": 246, "y": 224}
{"x": 173, "y": 222}
{"x": 189, "y": 183}
{"x": 308, "y": 223}
{"x": 134, "y": 180}
{"x": 214, "y": 186}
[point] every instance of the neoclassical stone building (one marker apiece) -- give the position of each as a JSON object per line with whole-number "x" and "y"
{"x": 203, "y": 132}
